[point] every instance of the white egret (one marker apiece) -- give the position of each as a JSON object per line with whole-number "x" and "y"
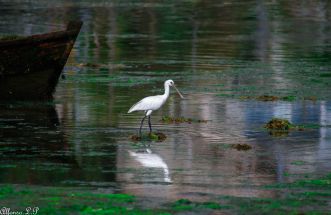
{"x": 149, "y": 159}
{"x": 152, "y": 103}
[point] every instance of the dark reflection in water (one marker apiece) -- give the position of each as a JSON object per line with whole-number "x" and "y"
{"x": 217, "y": 53}
{"x": 34, "y": 146}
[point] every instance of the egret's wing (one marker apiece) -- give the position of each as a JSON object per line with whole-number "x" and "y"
{"x": 148, "y": 103}
{"x": 133, "y": 108}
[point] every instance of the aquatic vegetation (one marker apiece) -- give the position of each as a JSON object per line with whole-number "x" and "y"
{"x": 5, "y": 190}
{"x": 293, "y": 204}
{"x": 279, "y": 124}
{"x": 310, "y": 98}
{"x": 320, "y": 183}
{"x": 241, "y": 147}
{"x": 114, "y": 197}
{"x": 90, "y": 65}
{"x": 324, "y": 182}
{"x": 306, "y": 196}
{"x": 289, "y": 98}
{"x": 158, "y": 137}
{"x": 325, "y": 75}
{"x": 267, "y": 98}
{"x": 170, "y": 120}
{"x": 10, "y": 37}
{"x": 51, "y": 200}
{"x": 281, "y": 127}
{"x": 298, "y": 163}
{"x": 187, "y": 205}
{"x": 135, "y": 137}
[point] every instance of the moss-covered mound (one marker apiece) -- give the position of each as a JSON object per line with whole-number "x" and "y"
{"x": 158, "y": 136}
{"x": 279, "y": 124}
{"x": 241, "y": 147}
{"x": 281, "y": 127}
{"x": 267, "y": 98}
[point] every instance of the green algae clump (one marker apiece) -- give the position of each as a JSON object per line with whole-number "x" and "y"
{"x": 279, "y": 124}
{"x": 241, "y": 147}
{"x": 281, "y": 127}
{"x": 267, "y": 98}
{"x": 158, "y": 136}
{"x": 188, "y": 205}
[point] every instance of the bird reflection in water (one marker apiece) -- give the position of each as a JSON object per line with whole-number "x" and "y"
{"x": 148, "y": 159}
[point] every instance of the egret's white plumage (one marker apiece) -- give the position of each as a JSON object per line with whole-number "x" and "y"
{"x": 149, "y": 159}
{"x": 152, "y": 103}
{"x": 149, "y": 103}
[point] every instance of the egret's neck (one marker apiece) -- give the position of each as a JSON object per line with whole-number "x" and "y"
{"x": 166, "y": 91}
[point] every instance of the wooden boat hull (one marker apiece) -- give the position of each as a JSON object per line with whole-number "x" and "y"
{"x": 30, "y": 67}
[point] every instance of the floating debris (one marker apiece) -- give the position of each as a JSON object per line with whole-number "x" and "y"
{"x": 158, "y": 136}
{"x": 170, "y": 119}
{"x": 310, "y": 98}
{"x": 90, "y": 65}
{"x": 246, "y": 97}
{"x": 241, "y": 147}
{"x": 266, "y": 98}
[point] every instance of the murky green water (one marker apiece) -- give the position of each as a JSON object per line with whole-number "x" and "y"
{"x": 220, "y": 54}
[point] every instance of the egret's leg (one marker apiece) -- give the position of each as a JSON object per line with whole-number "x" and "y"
{"x": 141, "y": 125}
{"x": 149, "y": 124}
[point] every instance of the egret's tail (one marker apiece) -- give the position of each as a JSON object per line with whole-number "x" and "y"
{"x": 131, "y": 109}
{"x": 134, "y": 107}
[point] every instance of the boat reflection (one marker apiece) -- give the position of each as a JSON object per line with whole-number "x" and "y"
{"x": 32, "y": 145}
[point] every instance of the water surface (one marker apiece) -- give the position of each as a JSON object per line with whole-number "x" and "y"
{"x": 220, "y": 54}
